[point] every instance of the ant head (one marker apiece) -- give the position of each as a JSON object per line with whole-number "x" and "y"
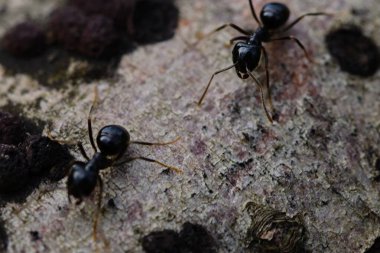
{"x": 81, "y": 182}
{"x": 113, "y": 140}
{"x": 274, "y": 15}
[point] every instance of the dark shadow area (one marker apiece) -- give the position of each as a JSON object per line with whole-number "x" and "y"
{"x": 154, "y": 21}
{"x": 375, "y": 248}
{"x": 3, "y": 237}
{"x": 355, "y": 53}
{"x": 193, "y": 238}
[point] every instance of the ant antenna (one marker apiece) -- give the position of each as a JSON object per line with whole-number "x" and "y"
{"x": 305, "y": 15}
{"x": 254, "y": 13}
{"x": 89, "y": 124}
{"x": 155, "y": 143}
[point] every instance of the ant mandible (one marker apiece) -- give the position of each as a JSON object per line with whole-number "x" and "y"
{"x": 112, "y": 141}
{"x": 247, "y": 52}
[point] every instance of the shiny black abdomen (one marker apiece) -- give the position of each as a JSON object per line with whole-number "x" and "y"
{"x": 247, "y": 57}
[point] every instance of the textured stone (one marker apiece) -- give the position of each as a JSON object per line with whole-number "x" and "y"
{"x": 318, "y": 162}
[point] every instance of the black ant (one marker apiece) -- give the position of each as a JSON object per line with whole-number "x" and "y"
{"x": 247, "y": 53}
{"x": 112, "y": 141}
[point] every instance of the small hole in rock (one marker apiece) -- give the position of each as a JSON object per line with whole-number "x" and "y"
{"x": 355, "y": 53}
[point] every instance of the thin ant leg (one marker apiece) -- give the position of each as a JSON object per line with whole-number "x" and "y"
{"x": 212, "y": 77}
{"x": 175, "y": 169}
{"x": 239, "y": 29}
{"x": 262, "y": 96}
{"x": 245, "y": 38}
{"x": 89, "y": 124}
{"x": 301, "y": 17}
{"x": 267, "y": 77}
{"x": 295, "y": 40}
{"x": 155, "y": 143}
{"x": 70, "y": 165}
{"x": 98, "y": 207}
{"x": 82, "y": 151}
{"x": 254, "y": 13}
{"x": 236, "y": 27}
{"x": 70, "y": 143}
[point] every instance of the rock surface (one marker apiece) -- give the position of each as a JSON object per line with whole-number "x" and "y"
{"x": 317, "y": 161}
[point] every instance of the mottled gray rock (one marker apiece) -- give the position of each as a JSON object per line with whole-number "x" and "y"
{"x": 316, "y": 162}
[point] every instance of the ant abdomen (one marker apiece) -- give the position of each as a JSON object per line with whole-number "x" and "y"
{"x": 113, "y": 140}
{"x": 81, "y": 182}
{"x": 274, "y": 15}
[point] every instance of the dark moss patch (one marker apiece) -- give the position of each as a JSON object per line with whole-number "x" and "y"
{"x": 356, "y": 53}
{"x": 154, "y": 21}
{"x": 52, "y": 67}
{"x": 193, "y": 238}
{"x": 46, "y": 156}
{"x": 3, "y": 237}
{"x": 25, "y": 163}
{"x": 86, "y": 39}
{"x": 12, "y": 129}
{"x": 165, "y": 241}
{"x": 118, "y": 10}
{"x": 14, "y": 172}
{"x": 375, "y": 248}
{"x": 99, "y": 38}
{"x": 65, "y": 26}
{"x": 26, "y": 39}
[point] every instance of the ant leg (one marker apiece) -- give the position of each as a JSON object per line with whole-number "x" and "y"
{"x": 70, "y": 143}
{"x": 262, "y": 96}
{"x": 212, "y": 77}
{"x": 254, "y": 13}
{"x": 98, "y": 207}
{"x": 239, "y": 29}
{"x": 70, "y": 166}
{"x": 82, "y": 151}
{"x": 155, "y": 143}
{"x": 175, "y": 169}
{"x": 295, "y": 40}
{"x": 302, "y": 16}
{"x": 245, "y": 38}
{"x": 267, "y": 77}
{"x": 89, "y": 124}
